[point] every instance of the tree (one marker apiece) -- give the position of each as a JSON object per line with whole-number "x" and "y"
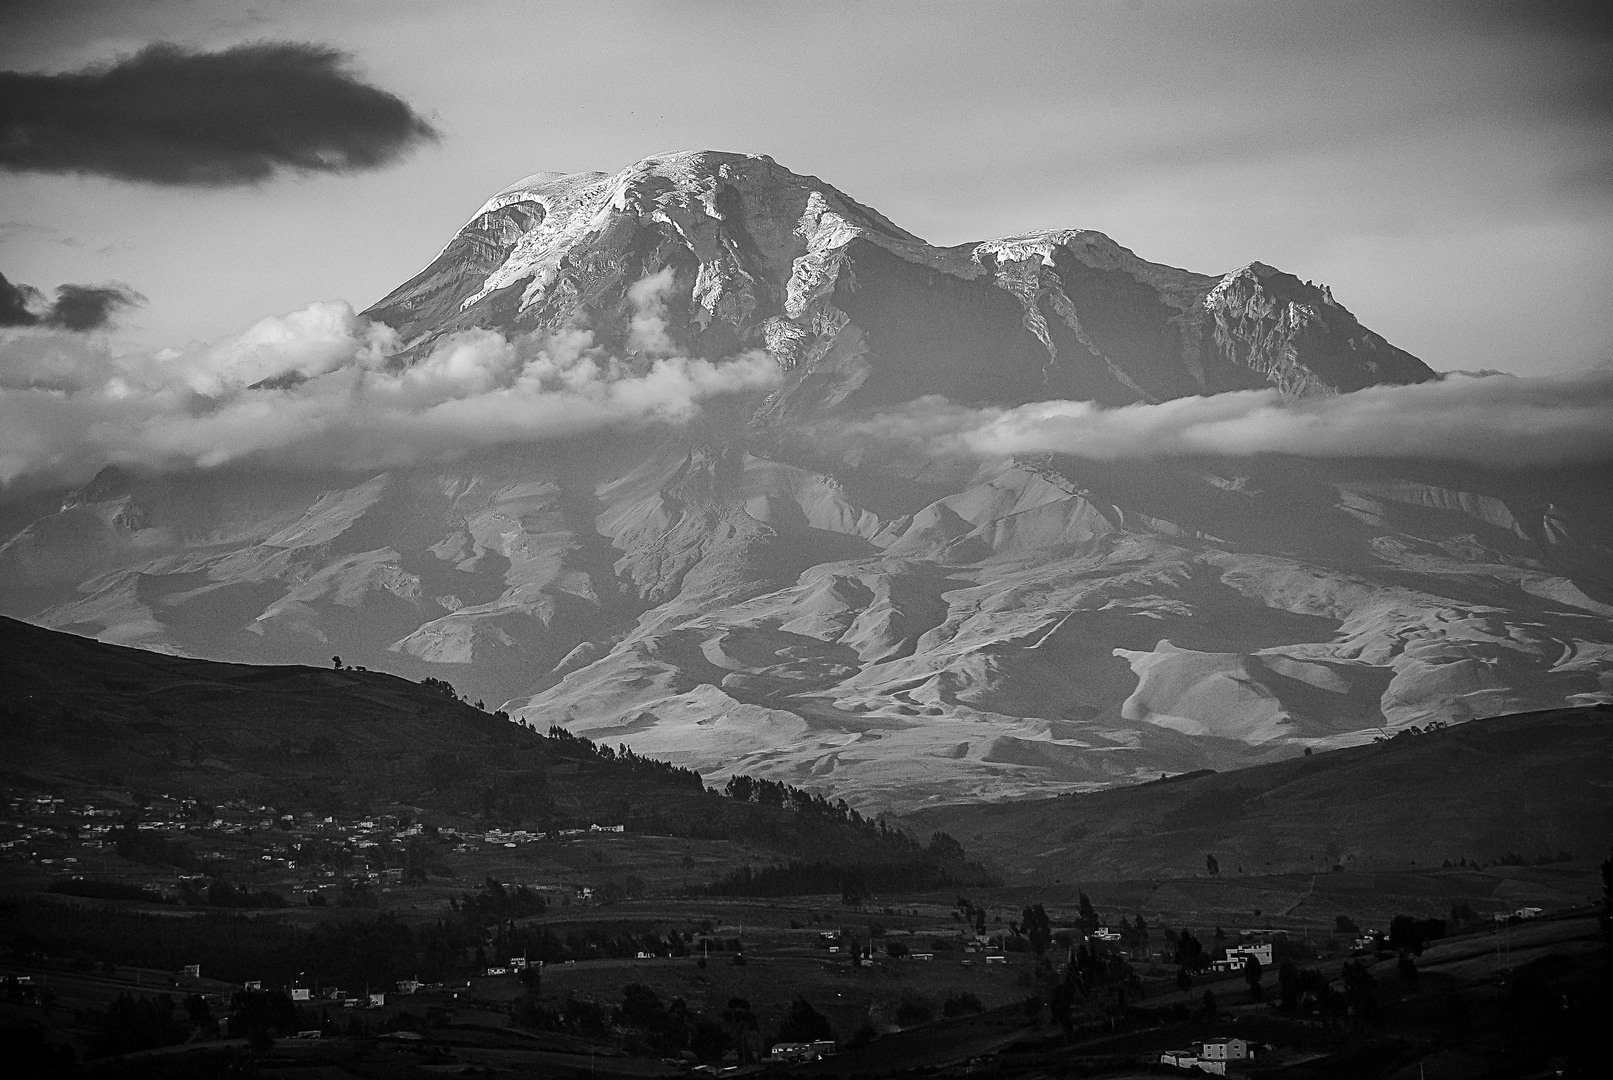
{"x": 1252, "y": 975}
{"x": 640, "y": 1007}
{"x": 914, "y": 1009}
{"x": 1211, "y": 865}
{"x": 1345, "y": 925}
{"x": 1184, "y": 981}
{"x": 1137, "y": 935}
{"x": 1089, "y": 914}
{"x": 1406, "y": 967}
{"x": 1410, "y": 935}
{"x": 1360, "y": 991}
{"x": 961, "y": 1004}
{"x": 803, "y": 1023}
{"x": 1209, "y": 1003}
{"x": 740, "y": 1020}
{"x": 1288, "y": 987}
{"x": 1036, "y": 926}
{"x": 1189, "y": 951}
{"x": 336, "y": 662}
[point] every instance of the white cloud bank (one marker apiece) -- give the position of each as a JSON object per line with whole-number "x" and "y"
{"x": 313, "y": 388}
{"x": 1492, "y": 420}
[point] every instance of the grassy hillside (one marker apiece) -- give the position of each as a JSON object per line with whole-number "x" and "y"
{"x": 85, "y": 719}
{"x": 1534, "y": 786}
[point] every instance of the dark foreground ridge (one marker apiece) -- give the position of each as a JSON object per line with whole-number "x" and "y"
{"x": 83, "y": 718}
{"x": 1528, "y": 788}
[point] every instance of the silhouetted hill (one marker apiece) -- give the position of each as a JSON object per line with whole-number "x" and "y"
{"x": 80, "y": 716}
{"x": 1531, "y": 786}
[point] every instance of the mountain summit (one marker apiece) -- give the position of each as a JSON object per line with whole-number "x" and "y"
{"x": 860, "y": 311}
{"x": 742, "y": 593}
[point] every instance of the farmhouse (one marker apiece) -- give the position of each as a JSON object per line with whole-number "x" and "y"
{"x": 1210, "y": 1056}
{"x": 1227, "y": 1050}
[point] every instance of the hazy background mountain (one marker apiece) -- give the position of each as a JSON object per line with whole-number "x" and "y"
{"x": 773, "y": 588}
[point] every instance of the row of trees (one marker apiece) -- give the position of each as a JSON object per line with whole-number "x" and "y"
{"x": 772, "y": 793}
{"x": 665, "y": 771}
{"x": 647, "y": 1026}
{"x": 855, "y": 882}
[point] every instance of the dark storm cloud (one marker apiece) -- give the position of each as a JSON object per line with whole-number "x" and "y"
{"x": 1576, "y": 18}
{"x": 77, "y": 307}
{"x": 168, "y": 115}
{"x": 89, "y": 307}
{"x": 16, "y": 302}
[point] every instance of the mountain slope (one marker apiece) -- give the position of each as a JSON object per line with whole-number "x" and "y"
{"x": 1531, "y": 786}
{"x": 744, "y": 593}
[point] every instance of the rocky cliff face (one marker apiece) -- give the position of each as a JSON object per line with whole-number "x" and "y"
{"x": 895, "y": 631}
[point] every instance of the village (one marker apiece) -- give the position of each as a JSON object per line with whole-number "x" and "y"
{"x": 289, "y": 858}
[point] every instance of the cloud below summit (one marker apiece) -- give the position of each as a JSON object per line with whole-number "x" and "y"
{"x": 1490, "y": 420}
{"x": 312, "y": 389}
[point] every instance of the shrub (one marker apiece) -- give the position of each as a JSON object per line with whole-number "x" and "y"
{"x": 913, "y": 1010}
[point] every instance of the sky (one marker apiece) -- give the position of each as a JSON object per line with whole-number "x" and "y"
{"x": 1446, "y": 168}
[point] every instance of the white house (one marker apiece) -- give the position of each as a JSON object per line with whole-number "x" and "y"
{"x": 1261, "y": 952}
{"x": 1227, "y": 1050}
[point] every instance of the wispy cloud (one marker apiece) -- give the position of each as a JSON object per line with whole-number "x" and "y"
{"x": 1489, "y": 419}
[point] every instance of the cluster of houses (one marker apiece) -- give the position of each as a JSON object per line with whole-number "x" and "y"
{"x": 1211, "y": 1055}
{"x": 53, "y": 832}
{"x": 801, "y": 1051}
{"x": 42, "y": 828}
{"x": 367, "y": 1000}
{"x": 516, "y": 837}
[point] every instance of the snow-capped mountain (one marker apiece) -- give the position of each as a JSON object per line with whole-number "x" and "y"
{"x": 737, "y": 594}
{"x": 863, "y": 312}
